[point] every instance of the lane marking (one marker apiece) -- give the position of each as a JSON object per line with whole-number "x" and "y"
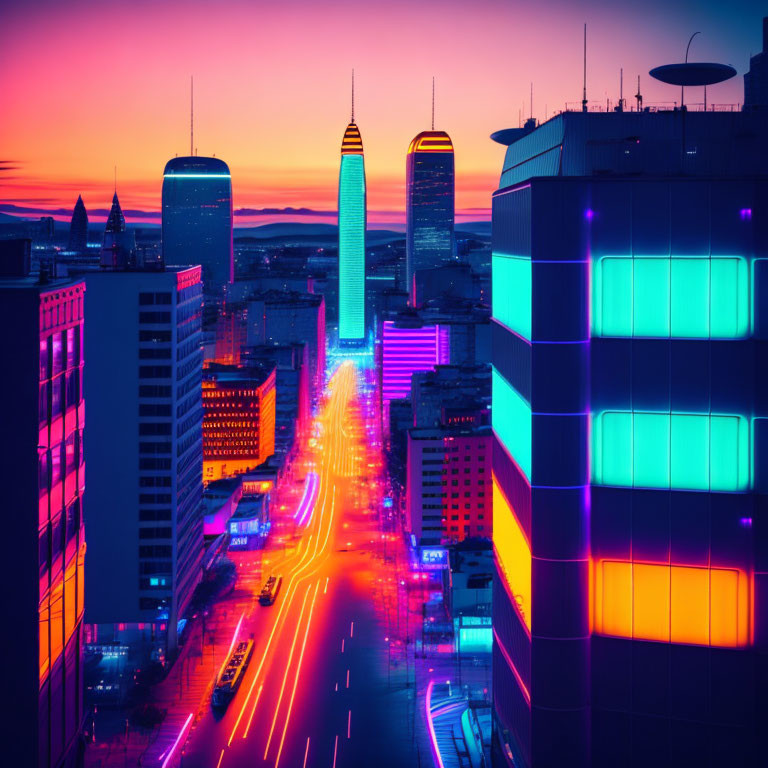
{"x": 349, "y": 724}
{"x": 352, "y": 629}
{"x": 335, "y": 749}
{"x": 347, "y": 678}
{"x": 342, "y": 644}
{"x": 253, "y": 711}
{"x": 306, "y": 753}
{"x": 221, "y": 757}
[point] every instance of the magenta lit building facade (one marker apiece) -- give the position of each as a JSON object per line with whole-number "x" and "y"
{"x": 43, "y": 468}
{"x": 407, "y": 349}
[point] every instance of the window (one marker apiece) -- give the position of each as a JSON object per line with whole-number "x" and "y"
{"x": 672, "y": 603}
{"x": 162, "y": 318}
{"x": 511, "y": 278}
{"x": 154, "y": 371}
{"x": 678, "y": 296}
{"x": 511, "y": 416}
{"x": 154, "y": 390}
{"x": 686, "y": 451}
{"x": 513, "y": 551}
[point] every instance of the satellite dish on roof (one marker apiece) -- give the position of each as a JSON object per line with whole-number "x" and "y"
{"x": 693, "y": 73}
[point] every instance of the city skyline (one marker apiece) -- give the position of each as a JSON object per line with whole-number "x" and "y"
{"x": 242, "y": 117}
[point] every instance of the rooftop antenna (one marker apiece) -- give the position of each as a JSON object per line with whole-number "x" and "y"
{"x": 682, "y": 87}
{"x": 433, "y": 102}
{"x": 531, "y": 101}
{"x": 639, "y": 96}
{"x": 584, "y": 92}
{"x": 191, "y": 115}
{"x": 353, "y": 96}
{"x": 621, "y": 89}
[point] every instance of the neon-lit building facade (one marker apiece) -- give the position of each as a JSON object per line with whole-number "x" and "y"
{"x": 43, "y": 465}
{"x": 197, "y": 217}
{"x": 352, "y": 225}
{"x": 429, "y": 203}
{"x": 408, "y": 347}
{"x": 630, "y": 423}
{"x": 239, "y": 419}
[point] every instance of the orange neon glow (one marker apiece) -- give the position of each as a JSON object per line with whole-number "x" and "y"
{"x": 513, "y": 552}
{"x": 672, "y": 603}
{"x": 352, "y": 143}
{"x": 431, "y": 141}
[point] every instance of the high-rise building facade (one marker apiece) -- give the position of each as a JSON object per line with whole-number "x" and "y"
{"x": 197, "y": 218}
{"x": 43, "y": 469}
{"x": 78, "y": 228}
{"x": 429, "y": 203}
{"x": 630, "y": 339}
{"x": 352, "y": 225}
{"x": 118, "y": 246}
{"x": 239, "y": 419}
{"x": 144, "y": 447}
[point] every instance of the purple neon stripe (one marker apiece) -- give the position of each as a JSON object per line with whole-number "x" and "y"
{"x": 307, "y": 505}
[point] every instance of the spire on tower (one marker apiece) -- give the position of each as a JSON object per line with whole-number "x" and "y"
{"x": 191, "y": 115}
{"x": 353, "y": 97}
{"x": 433, "y": 102}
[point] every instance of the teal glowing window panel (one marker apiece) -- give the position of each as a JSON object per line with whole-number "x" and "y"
{"x": 352, "y": 219}
{"x": 680, "y": 297}
{"x": 511, "y": 292}
{"x": 683, "y": 451}
{"x": 511, "y": 417}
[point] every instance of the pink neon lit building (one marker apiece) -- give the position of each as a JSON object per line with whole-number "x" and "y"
{"x": 407, "y": 349}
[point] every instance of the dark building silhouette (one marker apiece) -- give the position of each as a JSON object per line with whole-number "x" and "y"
{"x": 197, "y": 218}
{"x": 118, "y": 247}
{"x": 429, "y": 206}
{"x": 756, "y": 80}
{"x": 78, "y": 228}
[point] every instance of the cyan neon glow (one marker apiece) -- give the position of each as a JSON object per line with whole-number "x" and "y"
{"x": 197, "y": 176}
{"x": 512, "y": 423}
{"x": 307, "y": 504}
{"x": 679, "y": 297}
{"x": 511, "y": 292}
{"x": 352, "y": 223}
{"x": 684, "y": 451}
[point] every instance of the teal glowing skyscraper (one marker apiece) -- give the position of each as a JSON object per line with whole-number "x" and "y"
{"x": 352, "y": 219}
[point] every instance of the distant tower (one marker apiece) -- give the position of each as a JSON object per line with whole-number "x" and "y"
{"x": 756, "y": 80}
{"x": 197, "y": 217}
{"x": 429, "y": 204}
{"x": 78, "y": 229}
{"x": 119, "y": 246}
{"x": 352, "y": 224}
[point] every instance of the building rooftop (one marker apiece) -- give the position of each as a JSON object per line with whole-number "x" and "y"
{"x": 196, "y": 166}
{"x": 431, "y": 141}
{"x": 352, "y": 143}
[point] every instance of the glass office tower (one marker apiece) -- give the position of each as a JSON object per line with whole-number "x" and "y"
{"x": 630, "y": 464}
{"x": 429, "y": 203}
{"x": 352, "y": 222}
{"x": 197, "y": 218}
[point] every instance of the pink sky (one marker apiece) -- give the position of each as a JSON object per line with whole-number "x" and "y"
{"x": 85, "y": 86}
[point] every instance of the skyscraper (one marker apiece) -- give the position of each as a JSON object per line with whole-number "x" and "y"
{"x": 118, "y": 248}
{"x": 352, "y": 224}
{"x": 78, "y": 228}
{"x": 41, "y": 324}
{"x": 144, "y": 446}
{"x": 197, "y": 217}
{"x": 429, "y": 203}
{"x": 629, "y": 462}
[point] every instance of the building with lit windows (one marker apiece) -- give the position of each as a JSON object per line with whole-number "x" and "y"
{"x": 239, "y": 420}
{"x": 630, "y": 459}
{"x": 144, "y": 449}
{"x": 43, "y": 469}
{"x": 352, "y": 224}
{"x": 429, "y": 203}
{"x": 449, "y": 492}
{"x": 197, "y": 218}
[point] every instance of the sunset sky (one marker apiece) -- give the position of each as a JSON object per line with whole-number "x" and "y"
{"x": 86, "y": 86}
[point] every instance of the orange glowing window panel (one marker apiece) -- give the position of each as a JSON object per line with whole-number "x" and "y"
{"x": 671, "y": 603}
{"x": 513, "y": 552}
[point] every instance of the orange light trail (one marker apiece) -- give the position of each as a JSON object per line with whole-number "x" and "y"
{"x": 253, "y": 711}
{"x": 296, "y": 680}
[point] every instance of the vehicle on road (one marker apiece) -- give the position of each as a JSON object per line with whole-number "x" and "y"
{"x": 270, "y": 589}
{"x": 232, "y": 674}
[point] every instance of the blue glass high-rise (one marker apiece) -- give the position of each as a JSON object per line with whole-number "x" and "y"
{"x": 352, "y": 224}
{"x": 197, "y": 217}
{"x": 429, "y": 203}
